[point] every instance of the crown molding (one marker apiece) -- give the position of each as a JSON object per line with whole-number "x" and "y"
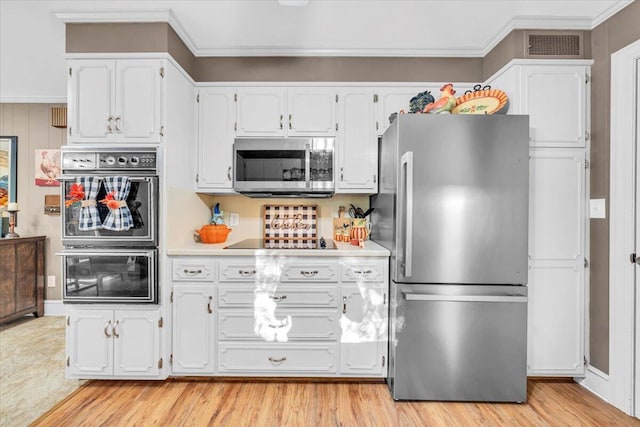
{"x": 165, "y": 15}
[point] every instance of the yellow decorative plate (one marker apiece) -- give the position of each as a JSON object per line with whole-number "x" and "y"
{"x": 481, "y": 102}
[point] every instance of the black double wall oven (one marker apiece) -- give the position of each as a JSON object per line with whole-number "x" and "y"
{"x": 109, "y": 225}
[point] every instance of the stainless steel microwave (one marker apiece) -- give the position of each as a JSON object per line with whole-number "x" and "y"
{"x": 288, "y": 167}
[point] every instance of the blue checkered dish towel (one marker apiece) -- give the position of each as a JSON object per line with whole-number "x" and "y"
{"x": 89, "y": 218}
{"x": 118, "y": 219}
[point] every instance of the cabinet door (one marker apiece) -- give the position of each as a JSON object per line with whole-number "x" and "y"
{"x": 260, "y": 111}
{"x": 89, "y": 343}
{"x": 556, "y": 250}
{"x": 217, "y": 115}
{"x": 393, "y": 99}
{"x": 555, "y": 99}
{"x": 364, "y": 329}
{"x": 356, "y": 142}
{"x": 91, "y": 100}
{"x": 312, "y": 111}
{"x": 138, "y": 100}
{"x": 193, "y": 329}
{"x": 136, "y": 343}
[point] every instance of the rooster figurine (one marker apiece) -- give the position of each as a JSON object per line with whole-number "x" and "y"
{"x": 446, "y": 102}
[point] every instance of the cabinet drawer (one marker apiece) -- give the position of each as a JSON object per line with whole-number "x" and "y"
{"x": 310, "y": 272}
{"x": 185, "y": 270}
{"x": 274, "y": 358}
{"x": 243, "y": 271}
{"x": 283, "y": 325}
{"x": 284, "y": 296}
{"x": 365, "y": 272}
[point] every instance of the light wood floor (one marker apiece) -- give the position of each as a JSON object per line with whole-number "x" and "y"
{"x": 276, "y": 402}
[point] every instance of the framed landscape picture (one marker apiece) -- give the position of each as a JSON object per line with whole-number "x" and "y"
{"x": 8, "y": 169}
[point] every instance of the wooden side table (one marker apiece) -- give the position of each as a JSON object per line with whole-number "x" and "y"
{"x": 22, "y": 277}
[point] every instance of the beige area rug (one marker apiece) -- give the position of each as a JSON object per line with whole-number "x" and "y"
{"x": 32, "y": 369}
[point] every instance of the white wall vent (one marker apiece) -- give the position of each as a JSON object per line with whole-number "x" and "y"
{"x": 541, "y": 44}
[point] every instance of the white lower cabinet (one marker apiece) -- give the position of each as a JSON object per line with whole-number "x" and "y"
{"x": 113, "y": 343}
{"x": 364, "y": 330}
{"x": 193, "y": 330}
{"x": 309, "y": 317}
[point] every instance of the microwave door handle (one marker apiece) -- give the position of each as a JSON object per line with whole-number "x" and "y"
{"x": 307, "y": 165}
{"x": 406, "y": 163}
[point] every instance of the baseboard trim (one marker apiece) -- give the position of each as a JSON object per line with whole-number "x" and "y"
{"x": 53, "y": 308}
{"x": 596, "y": 381}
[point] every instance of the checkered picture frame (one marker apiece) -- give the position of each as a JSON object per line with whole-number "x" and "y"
{"x": 297, "y": 223}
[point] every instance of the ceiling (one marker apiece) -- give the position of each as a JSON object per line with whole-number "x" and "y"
{"x": 345, "y": 27}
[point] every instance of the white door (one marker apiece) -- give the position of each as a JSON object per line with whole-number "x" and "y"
{"x": 136, "y": 343}
{"x": 356, "y": 142}
{"x": 138, "y": 100}
{"x": 90, "y": 343}
{"x": 260, "y": 111}
{"x": 363, "y": 334}
{"x": 311, "y": 111}
{"x": 91, "y": 100}
{"x": 637, "y": 276}
{"x": 217, "y": 116}
{"x": 554, "y": 98}
{"x": 556, "y": 266}
{"x": 193, "y": 329}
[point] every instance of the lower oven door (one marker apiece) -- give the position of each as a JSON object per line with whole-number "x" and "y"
{"x": 110, "y": 276}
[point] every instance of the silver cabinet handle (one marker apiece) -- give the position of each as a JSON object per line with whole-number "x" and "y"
{"x": 282, "y": 359}
{"x": 115, "y": 329}
{"x": 344, "y": 305}
{"x": 290, "y": 119}
{"x": 406, "y": 163}
{"x": 281, "y": 116}
{"x": 192, "y": 272}
{"x": 106, "y": 326}
{"x": 409, "y": 296}
{"x": 308, "y": 273}
{"x": 229, "y": 173}
{"x": 342, "y": 174}
{"x": 209, "y": 310}
{"x": 110, "y": 124}
{"x": 118, "y": 130}
{"x": 246, "y": 273}
{"x": 282, "y": 324}
{"x": 362, "y": 272}
{"x": 278, "y": 299}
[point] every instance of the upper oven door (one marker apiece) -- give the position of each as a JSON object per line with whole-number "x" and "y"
{"x": 109, "y": 210}
{"x": 283, "y": 165}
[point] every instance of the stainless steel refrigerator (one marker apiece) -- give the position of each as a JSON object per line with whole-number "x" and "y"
{"x": 452, "y": 208}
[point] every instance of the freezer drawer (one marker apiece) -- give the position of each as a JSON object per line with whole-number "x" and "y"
{"x": 459, "y": 342}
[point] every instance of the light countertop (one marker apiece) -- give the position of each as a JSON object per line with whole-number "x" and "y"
{"x": 371, "y": 249}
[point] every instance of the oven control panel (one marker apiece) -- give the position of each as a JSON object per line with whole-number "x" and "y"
{"x": 109, "y": 160}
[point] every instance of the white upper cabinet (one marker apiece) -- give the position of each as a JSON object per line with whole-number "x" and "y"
{"x": 394, "y": 99}
{"x": 356, "y": 142}
{"x": 217, "y": 116}
{"x": 280, "y": 111}
{"x": 554, "y": 97}
{"x": 115, "y": 100}
{"x": 261, "y": 111}
{"x": 311, "y": 111}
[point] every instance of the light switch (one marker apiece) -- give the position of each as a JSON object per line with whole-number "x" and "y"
{"x": 234, "y": 219}
{"x": 597, "y": 208}
{"x": 51, "y": 281}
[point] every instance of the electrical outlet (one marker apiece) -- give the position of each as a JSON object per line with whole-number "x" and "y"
{"x": 597, "y": 208}
{"x": 51, "y": 281}
{"x": 234, "y": 219}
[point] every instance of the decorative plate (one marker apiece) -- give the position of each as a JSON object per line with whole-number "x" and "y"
{"x": 481, "y": 102}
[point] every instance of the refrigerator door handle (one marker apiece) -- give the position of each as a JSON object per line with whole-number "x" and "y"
{"x": 406, "y": 164}
{"x": 462, "y": 298}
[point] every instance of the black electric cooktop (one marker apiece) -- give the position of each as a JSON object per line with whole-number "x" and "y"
{"x": 312, "y": 244}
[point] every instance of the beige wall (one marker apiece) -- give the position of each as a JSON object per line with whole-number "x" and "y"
{"x": 608, "y": 37}
{"x": 31, "y": 124}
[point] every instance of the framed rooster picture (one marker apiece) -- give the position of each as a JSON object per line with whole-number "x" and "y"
{"x": 47, "y": 169}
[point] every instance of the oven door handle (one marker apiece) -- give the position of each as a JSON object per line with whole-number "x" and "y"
{"x": 131, "y": 178}
{"x": 149, "y": 253}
